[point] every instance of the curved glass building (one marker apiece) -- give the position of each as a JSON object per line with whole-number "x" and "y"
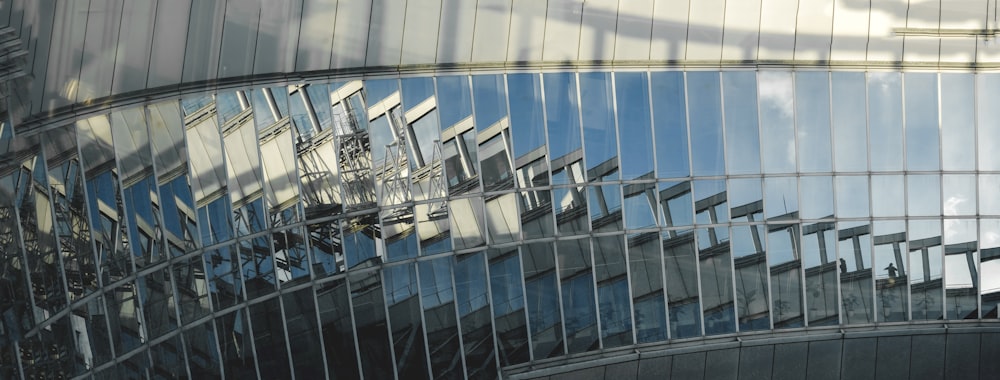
{"x": 198, "y": 193}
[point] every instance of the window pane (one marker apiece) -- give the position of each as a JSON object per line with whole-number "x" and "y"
{"x": 742, "y": 137}
{"x": 922, "y": 122}
{"x": 885, "y": 116}
{"x": 632, "y": 90}
{"x": 705, "y": 112}
{"x": 849, "y": 125}
{"x": 670, "y": 115}
{"x": 777, "y": 121}
{"x": 812, "y": 120}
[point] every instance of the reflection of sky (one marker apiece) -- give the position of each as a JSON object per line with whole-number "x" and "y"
{"x": 776, "y": 116}
{"x": 706, "y": 123}
{"x": 491, "y": 101}
{"x": 526, "y": 113}
{"x": 670, "y": 115}
{"x": 453, "y": 99}
{"x": 416, "y": 90}
{"x": 562, "y": 113}
{"x": 743, "y": 139}
{"x": 633, "y": 123}
{"x": 600, "y": 143}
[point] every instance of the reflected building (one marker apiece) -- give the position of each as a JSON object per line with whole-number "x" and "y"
{"x": 482, "y": 220}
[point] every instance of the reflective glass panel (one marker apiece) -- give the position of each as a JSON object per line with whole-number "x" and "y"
{"x": 562, "y": 114}
{"x": 632, "y": 97}
{"x": 750, "y": 264}
{"x": 923, "y": 195}
{"x": 705, "y": 116}
{"x": 812, "y": 121}
{"x": 926, "y": 260}
{"x": 958, "y": 195}
{"x": 885, "y": 118}
{"x": 490, "y": 98}
{"x": 577, "y": 280}
{"x": 989, "y": 267}
{"x": 819, "y": 257}
{"x": 742, "y": 137}
{"x": 777, "y": 121}
{"x": 782, "y": 200}
{"x": 854, "y": 248}
{"x": 817, "y": 201}
{"x": 958, "y": 118}
{"x": 715, "y": 265}
{"x": 852, "y": 196}
{"x": 670, "y": 119}
{"x": 783, "y": 257}
{"x": 961, "y": 258}
{"x": 610, "y": 272}
{"x": 680, "y": 261}
{"x": 849, "y": 123}
{"x": 891, "y": 269}
{"x": 922, "y": 150}
{"x": 887, "y": 199}
{"x": 599, "y": 135}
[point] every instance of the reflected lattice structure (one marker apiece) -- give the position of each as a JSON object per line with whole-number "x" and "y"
{"x": 471, "y": 226}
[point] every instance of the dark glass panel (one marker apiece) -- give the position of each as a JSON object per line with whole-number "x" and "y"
{"x": 201, "y": 351}
{"x": 611, "y": 274}
{"x": 647, "y": 287}
{"x": 606, "y": 208}
{"x": 440, "y": 318}
{"x": 222, "y": 266}
{"x": 715, "y": 267}
{"x": 258, "y": 266}
{"x": 338, "y": 329}
{"x": 158, "y": 304}
{"x": 370, "y": 325}
{"x": 680, "y": 261}
{"x": 472, "y": 300}
{"x": 579, "y": 310}
{"x": 508, "y": 307}
{"x": 303, "y": 333}
{"x": 403, "y": 301}
{"x": 233, "y": 331}
{"x": 542, "y": 297}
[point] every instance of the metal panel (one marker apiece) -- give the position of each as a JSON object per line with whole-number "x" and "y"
{"x": 101, "y": 40}
{"x": 562, "y": 30}
{"x": 315, "y": 36}
{"x": 704, "y": 38}
{"x": 597, "y": 30}
{"x": 65, "y": 54}
{"x": 923, "y": 15}
{"x": 654, "y": 368}
{"x": 725, "y": 363}
{"x": 527, "y": 31}
{"x": 132, "y": 64}
{"x": 883, "y": 43}
{"x": 824, "y": 359}
{"x": 850, "y": 32}
{"x": 239, "y": 37}
{"x": 893, "y": 357}
{"x": 859, "y": 358}
{"x": 741, "y": 30}
{"x": 635, "y": 22}
{"x": 927, "y": 356}
{"x": 350, "y": 35}
{"x": 790, "y": 361}
{"x": 277, "y": 37}
{"x": 813, "y": 32}
{"x": 421, "y": 35}
{"x": 166, "y": 56}
{"x": 458, "y": 19}
{"x": 756, "y": 361}
{"x": 962, "y": 356}
{"x": 492, "y": 29}
{"x": 777, "y": 29}
{"x": 689, "y": 366}
{"x": 961, "y": 14}
{"x": 204, "y": 39}
{"x": 669, "y": 35}
{"x": 385, "y": 33}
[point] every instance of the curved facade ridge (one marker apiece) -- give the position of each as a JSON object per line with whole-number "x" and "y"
{"x": 83, "y": 51}
{"x": 478, "y": 226}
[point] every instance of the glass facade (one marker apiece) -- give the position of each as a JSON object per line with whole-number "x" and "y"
{"x": 449, "y": 226}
